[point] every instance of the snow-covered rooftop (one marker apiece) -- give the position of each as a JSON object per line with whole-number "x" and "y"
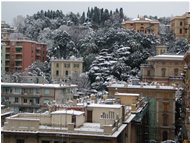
{"x": 126, "y": 94}
{"x": 105, "y": 105}
{"x": 141, "y": 86}
{"x": 71, "y": 59}
{"x": 38, "y": 85}
{"x": 141, "y": 19}
{"x": 167, "y": 57}
{"x": 69, "y": 112}
{"x": 26, "y": 40}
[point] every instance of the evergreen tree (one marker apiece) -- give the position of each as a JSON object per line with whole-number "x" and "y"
{"x": 82, "y": 18}
{"x": 121, "y": 14}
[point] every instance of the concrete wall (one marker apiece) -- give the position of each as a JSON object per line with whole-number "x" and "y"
{"x": 96, "y": 115}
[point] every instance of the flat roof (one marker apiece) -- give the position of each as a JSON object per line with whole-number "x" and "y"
{"x": 37, "y": 85}
{"x": 105, "y": 105}
{"x": 24, "y": 40}
{"x": 142, "y": 86}
{"x": 127, "y": 94}
{"x": 167, "y": 57}
{"x": 69, "y": 112}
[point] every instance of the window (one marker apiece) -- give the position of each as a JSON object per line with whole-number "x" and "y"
{"x": 176, "y": 72}
{"x": 16, "y": 99}
{"x": 25, "y": 100}
{"x": 66, "y": 73}
{"x": 20, "y": 141}
{"x": 163, "y": 70}
{"x": 148, "y": 73}
{"x": 46, "y": 91}
{"x": 57, "y": 73}
{"x": 165, "y": 119}
{"x": 165, "y": 106}
{"x": 37, "y": 91}
{"x": 76, "y": 65}
{"x": 180, "y": 31}
{"x": 67, "y": 65}
{"x": 17, "y": 90}
{"x": 57, "y": 65}
{"x": 37, "y": 100}
{"x": 181, "y": 23}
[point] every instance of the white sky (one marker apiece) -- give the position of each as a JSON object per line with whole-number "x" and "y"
{"x": 11, "y": 9}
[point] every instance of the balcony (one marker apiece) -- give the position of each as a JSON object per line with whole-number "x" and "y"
{"x": 18, "y": 53}
{"x": 18, "y": 59}
{"x": 18, "y": 66}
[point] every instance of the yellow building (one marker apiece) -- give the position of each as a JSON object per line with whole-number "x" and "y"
{"x": 142, "y": 24}
{"x": 164, "y": 69}
{"x": 161, "y": 108}
{"x": 62, "y": 69}
{"x": 180, "y": 25}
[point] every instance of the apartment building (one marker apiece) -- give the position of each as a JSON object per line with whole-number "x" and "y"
{"x": 97, "y": 123}
{"x": 22, "y": 53}
{"x": 3, "y": 53}
{"x": 64, "y": 69}
{"x": 30, "y": 97}
{"x": 164, "y": 69}
{"x": 180, "y": 26}
{"x": 161, "y": 108}
{"x": 187, "y": 91}
{"x": 142, "y": 24}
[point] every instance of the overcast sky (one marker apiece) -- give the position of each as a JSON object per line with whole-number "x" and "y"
{"x": 9, "y": 9}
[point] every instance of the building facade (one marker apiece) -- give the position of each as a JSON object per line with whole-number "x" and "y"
{"x": 180, "y": 26}
{"x": 164, "y": 69}
{"x": 161, "y": 108}
{"x": 30, "y": 97}
{"x": 22, "y": 53}
{"x": 66, "y": 69}
{"x": 142, "y": 24}
{"x": 70, "y": 126}
{"x": 3, "y": 53}
{"x": 187, "y": 92}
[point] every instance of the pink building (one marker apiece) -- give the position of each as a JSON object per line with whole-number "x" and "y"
{"x": 21, "y": 53}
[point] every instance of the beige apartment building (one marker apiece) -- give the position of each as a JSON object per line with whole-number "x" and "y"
{"x": 30, "y": 97}
{"x": 180, "y": 26}
{"x": 164, "y": 69}
{"x": 142, "y": 24}
{"x": 161, "y": 108}
{"x": 96, "y": 123}
{"x": 62, "y": 69}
